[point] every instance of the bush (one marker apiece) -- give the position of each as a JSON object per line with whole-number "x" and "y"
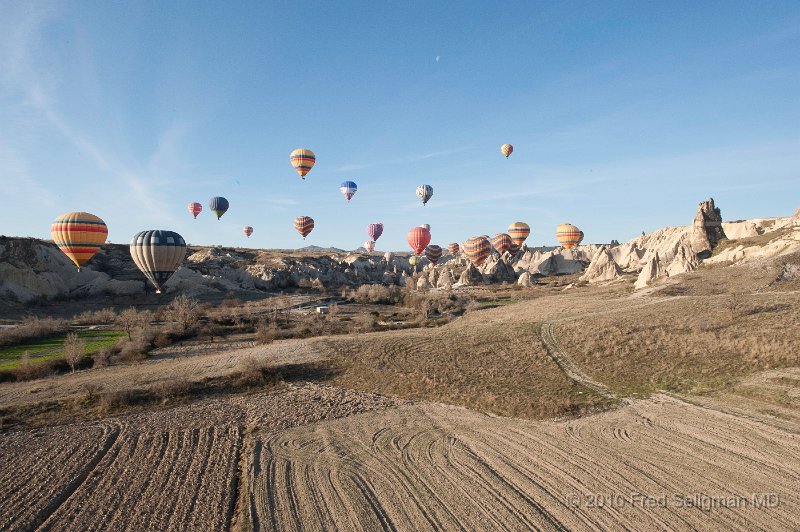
{"x": 210, "y": 330}
{"x": 266, "y": 333}
{"x": 256, "y": 373}
{"x": 120, "y": 399}
{"x": 132, "y": 352}
{"x": 166, "y": 390}
{"x": 91, "y": 317}
{"x": 131, "y": 319}
{"x": 74, "y": 350}
{"x": 183, "y": 311}
{"x": 162, "y": 339}
{"x": 102, "y": 357}
{"x": 32, "y": 328}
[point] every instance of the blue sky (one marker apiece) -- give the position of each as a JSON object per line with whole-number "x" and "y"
{"x": 623, "y": 116}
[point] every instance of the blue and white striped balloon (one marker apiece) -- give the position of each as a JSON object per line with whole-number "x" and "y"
{"x": 348, "y": 188}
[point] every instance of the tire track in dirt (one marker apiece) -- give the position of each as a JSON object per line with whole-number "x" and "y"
{"x": 471, "y": 471}
{"x": 563, "y": 361}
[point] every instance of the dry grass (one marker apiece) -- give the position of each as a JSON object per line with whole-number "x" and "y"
{"x": 688, "y": 344}
{"x": 504, "y": 370}
{"x": 32, "y": 328}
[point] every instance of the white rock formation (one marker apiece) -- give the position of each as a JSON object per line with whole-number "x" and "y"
{"x": 602, "y": 269}
{"x": 652, "y": 270}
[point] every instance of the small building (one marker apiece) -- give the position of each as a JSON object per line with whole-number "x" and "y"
{"x": 322, "y": 309}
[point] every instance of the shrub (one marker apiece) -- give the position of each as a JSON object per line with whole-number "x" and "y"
{"x": 91, "y": 317}
{"x": 74, "y": 350}
{"x": 183, "y": 311}
{"x": 102, "y": 357}
{"x": 266, "y": 333}
{"x": 120, "y": 398}
{"x": 162, "y": 339}
{"x": 131, "y": 319}
{"x": 171, "y": 389}
{"x": 253, "y": 372}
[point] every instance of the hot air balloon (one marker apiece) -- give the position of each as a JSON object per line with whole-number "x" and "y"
{"x": 304, "y": 225}
{"x": 218, "y": 206}
{"x": 477, "y": 249}
{"x": 413, "y": 260}
{"x": 374, "y": 231}
{"x": 502, "y": 243}
{"x": 519, "y": 231}
{"x": 581, "y": 238}
{"x": 506, "y": 149}
{"x": 453, "y": 248}
{"x": 349, "y": 189}
{"x": 369, "y": 245}
{"x": 79, "y": 235}
{"x": 568, "y": 235}
{"x": 418, "y": 239}
{"x": 247, "y": 230}
{"x": 303, "y": 161}
{"x": 158, "y": 254}
{"x": 424, "y": 192}
{"x": 195, "y": 208}
{"x": 433, "y": 253}
{"x": 426, "y": 226}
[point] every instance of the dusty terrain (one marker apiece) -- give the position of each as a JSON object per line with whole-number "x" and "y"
{"x": 471, "y": 425}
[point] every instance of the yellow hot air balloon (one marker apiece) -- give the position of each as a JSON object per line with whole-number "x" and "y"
{"x": 568, "y": 235}
{"x": 79, "y": 235}
{"x": 506, "y": 149}
{"x": 303, "y": 161}
{"x": 519, "y": 231}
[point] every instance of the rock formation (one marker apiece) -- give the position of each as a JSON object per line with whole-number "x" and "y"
{"x": 652, "y": 270}
{"x": 706, "y": 229}
{"x": 602, "y": 268}
{"x": 470, "y": 276}
{"x": 525, "y": 279}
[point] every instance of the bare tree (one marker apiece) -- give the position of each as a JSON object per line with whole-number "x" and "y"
{"x": 183, "y": 311}
{"x": 735, "y": 305}
{"x": 74, "y": 350}
{"x": 131, "y": 319}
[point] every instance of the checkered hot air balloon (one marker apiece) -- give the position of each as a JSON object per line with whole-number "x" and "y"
{"x": 501, "y": 242}
{"x": 568, "y": 235}
{"x": 303, "y": 161}
{"x": 433, "y": 253}
{"x": 374, "y": 231}
{"x": 78, "y": 235}
{"x": 218, "y": 206}
{"x": 418, "y": 239}
{"x": 304, "y": 225}
{"x": 506, "y": 149}
{"x": 424, "y": 193}
{"x": 477, "y": 249}
{"x": 195, "y": 208}
{"x": 158, "y": 254}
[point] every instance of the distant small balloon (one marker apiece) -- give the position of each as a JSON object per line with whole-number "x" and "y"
{"x": 501, "y": 242}
{"x": 418, "y": 238}
{"x": 374, "y": 231}
{"x": 304, "y": 225}
{"x": 424, "y": 193}
{"x": 433, "y": 253}
{"x": 195, "y": 208}
{"x": 218, "y": 206}
{"x": 453, "y": 248}
{"x": 348, "y": 189}
{"x": 247, "y": 230}
{"x": 369, "y": 245}
{"x": 303, "y": 161}
{"x": 568, "y": 235}
{"x": 477, "y": 249}
{"x": 506, "y": 149}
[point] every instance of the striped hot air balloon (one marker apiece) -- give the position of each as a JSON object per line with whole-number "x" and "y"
{"x": 158, "y": 254}
{"x": 78, "y": 235}
{"x": 501, "y": 242}
{"x": 477, "y": 249}
{"x": 424, "y": 193}
{"x": 453, "y": 248}
{"x": 247, "y": 230}
{"x": 303, "y": 161}
{"x": 506, "y": 149}
{"x": 519, "y": 231}
{"x": 349, "y": 189}
{"x": 433, "y": 253}
{"x": 568, "y": 235}
{"x": 304, "y": 225}
{"x": 369, "y": 245}
{"x": 418, "y": 239}
{"x": 374, "y": 231}
{"x": 195, "y": 208}
{"x": 218, "y": 206}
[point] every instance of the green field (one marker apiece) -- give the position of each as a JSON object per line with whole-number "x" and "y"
{"x": 52, "y": 347}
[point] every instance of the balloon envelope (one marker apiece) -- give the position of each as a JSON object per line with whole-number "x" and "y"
{"x": 568, "y": 235}
{"x": 218, "y": 206}
{"x": 369, "y": 245}
{"x": 303, "y": 161}
{"x": 477, "y": 249}
{"x": 413, "y": 260}
{"x": 424, "y": 193}
{"x": 195, "y": 208}
{"x": 388, "y": 256}
{"x": 78, "y": 235}
{"x": 453, "y": 248}
{"x": 349, "y": 189}
{"x": 501, "y": 242}
{"x": 374, "y": 231}
{"x": 304, "y": 225}
{"x": 247, "y": 230}
{"x": 418, "y": 239}
{"x": 158, "y": 254}
{"x": 506, "y": 149}
{"x": 433, "y": 253}
{"x": 519, "y": 231}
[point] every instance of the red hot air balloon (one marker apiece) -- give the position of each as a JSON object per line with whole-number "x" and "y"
{"x": 453, "y": 248}
{"x": 418, "y": 239}
{"x": 502, "y": 243}
{"x": 195, "y": 208}
{"x": 477, "y": 249}
{"x": 375, "y": 231}
{"x": 247, "y": 230}
{"x": 433, "y": 253}
{"x": 369, "y": 245}
{"x": 304, "y": 225}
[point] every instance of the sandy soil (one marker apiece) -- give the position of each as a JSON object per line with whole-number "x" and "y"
{"x": 439, "y": 467}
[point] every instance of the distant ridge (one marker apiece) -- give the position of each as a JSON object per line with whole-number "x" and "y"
{"x": 318, "y": 249}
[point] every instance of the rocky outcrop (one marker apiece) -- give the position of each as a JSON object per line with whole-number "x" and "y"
{"x": 525, "y": 279}
{"x": 498, "y": 270}
{"x": 652, "y": 270}
{"x": 470, "y": 276}
{"x": 602, "y": 269}
{"x": 706, "y": 229}
{"x": 423, "y": 283}
{"x": 685, "y": 261}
